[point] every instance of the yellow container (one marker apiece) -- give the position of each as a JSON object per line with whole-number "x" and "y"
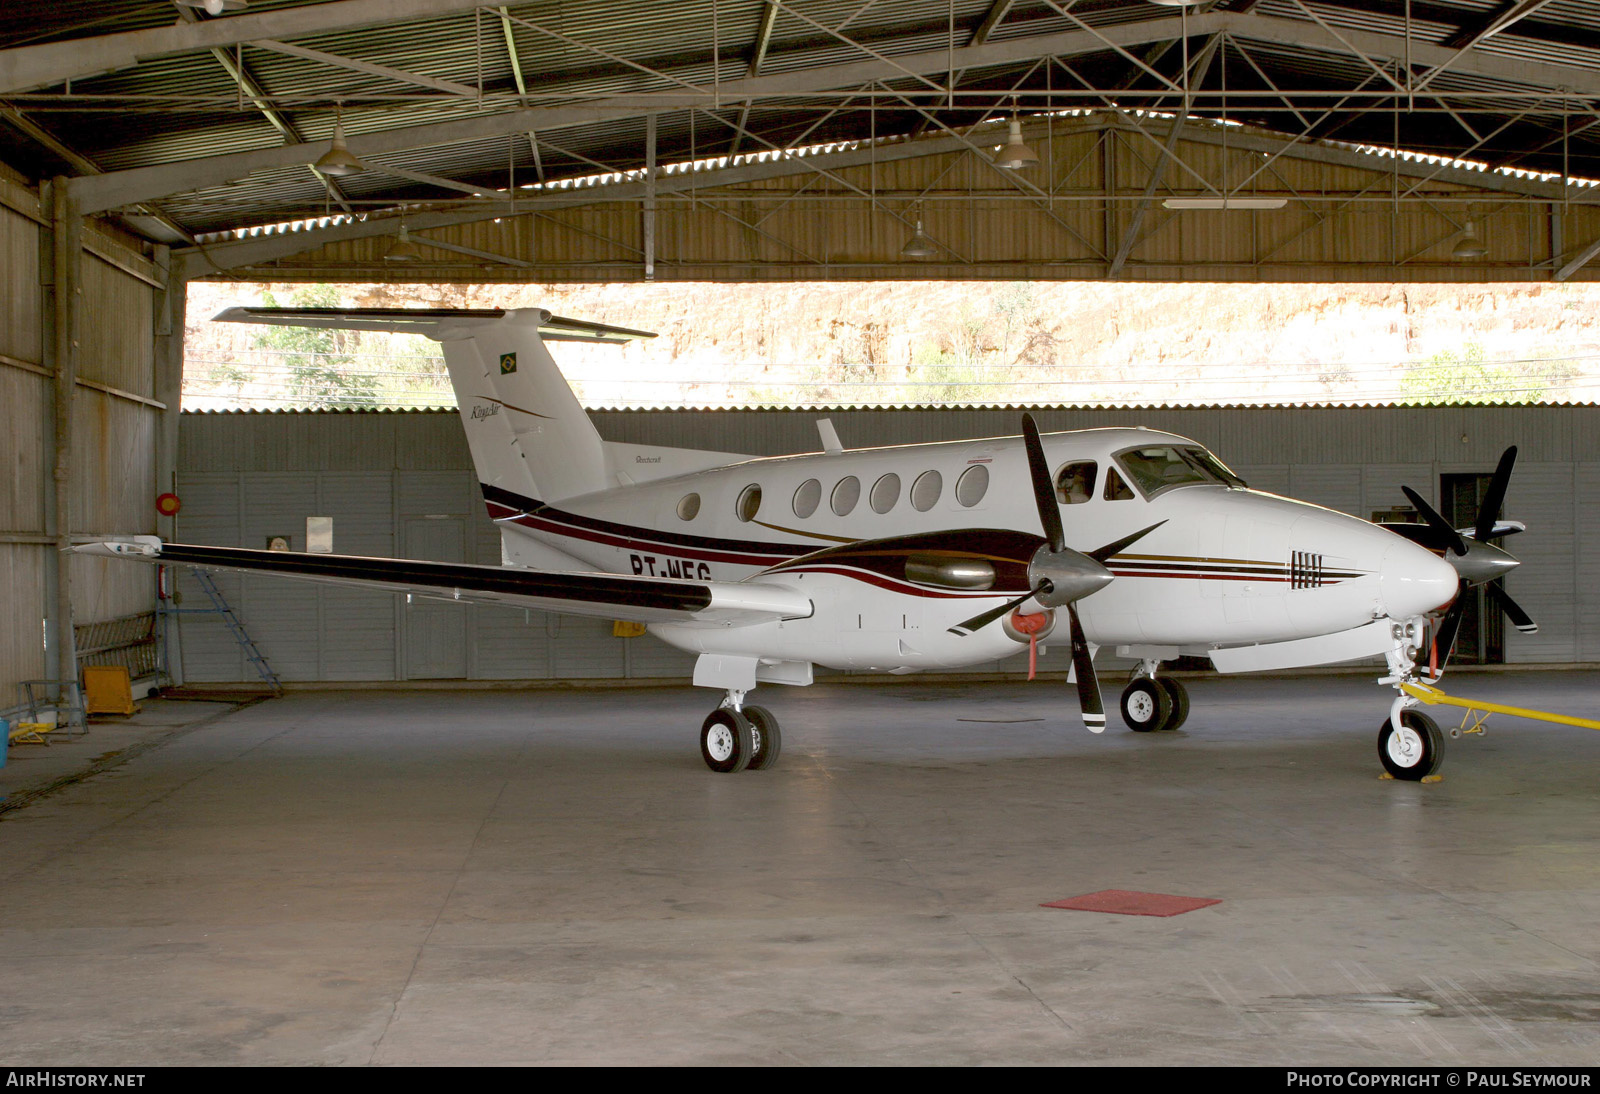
{"x": 107, "y": 690}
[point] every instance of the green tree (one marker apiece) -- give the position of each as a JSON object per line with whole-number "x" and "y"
{"x": 319, "y": 360}
{"x": 1466, "y": 377}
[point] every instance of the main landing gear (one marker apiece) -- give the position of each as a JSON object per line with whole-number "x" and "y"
{"x": 1151, "y": 702}
{"x": 736, "y": 737}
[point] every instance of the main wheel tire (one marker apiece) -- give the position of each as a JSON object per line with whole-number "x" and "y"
{"x": 1180, "y": 702}
{"x": 726, "y": 741}
{"x": 1414, "y": 753}
{"x": 767, "y": 738}
{"x": 1146, "y": 706}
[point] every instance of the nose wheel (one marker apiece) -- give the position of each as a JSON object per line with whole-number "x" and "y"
{"x": 746, "y": 738}
{"x": 1415, "y": 751}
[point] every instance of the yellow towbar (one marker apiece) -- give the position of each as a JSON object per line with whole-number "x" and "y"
{"x": 1433, "y": 696}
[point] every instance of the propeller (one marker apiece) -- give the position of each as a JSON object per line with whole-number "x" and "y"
{"x": 1476, "y": 561}
{"x": 1060, "y": 577}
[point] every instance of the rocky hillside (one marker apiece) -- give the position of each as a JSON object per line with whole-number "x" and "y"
{"x": 897, "y": 342}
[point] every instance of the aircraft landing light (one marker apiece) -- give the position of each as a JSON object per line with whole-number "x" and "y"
{"x": 1126, "y": 902}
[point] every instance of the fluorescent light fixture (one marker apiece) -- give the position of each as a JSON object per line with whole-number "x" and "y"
{"x": 1224, "y": 203}
{"x": 215, "y": 7}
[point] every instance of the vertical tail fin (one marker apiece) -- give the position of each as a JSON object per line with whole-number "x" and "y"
{"x": 526, "y": 429}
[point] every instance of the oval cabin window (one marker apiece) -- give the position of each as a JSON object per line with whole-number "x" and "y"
{"x": 845, "y": 495}
{"x": 885, "y": 492}
{"x": 925, "y": 491}
{"x": 972, "y": 485}
{"x": 807, "y": 498}
{"x": 689, "y": 507}
{"x": 749, "y": 503}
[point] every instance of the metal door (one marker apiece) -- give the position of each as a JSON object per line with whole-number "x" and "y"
{"x": 1482, "y": 637}
{"x": 436, "y": 630}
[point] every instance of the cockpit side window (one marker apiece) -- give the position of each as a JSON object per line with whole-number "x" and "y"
{"x": 1218, "y": 470}
{"x": 1116, "y": 489}
{"x": 1075, "y": 482}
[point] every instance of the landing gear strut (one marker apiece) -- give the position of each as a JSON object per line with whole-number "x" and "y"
{"x": 1410, "y": 746}
{"x": 735, "y": 737}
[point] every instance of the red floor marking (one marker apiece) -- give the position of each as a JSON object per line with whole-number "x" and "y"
{"x": 1123, "y": 902}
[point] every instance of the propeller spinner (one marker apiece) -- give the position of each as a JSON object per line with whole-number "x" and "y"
{"x": 1061, "y": 576}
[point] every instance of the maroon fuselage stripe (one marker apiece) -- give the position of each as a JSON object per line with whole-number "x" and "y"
{"x": 540, "y": 522}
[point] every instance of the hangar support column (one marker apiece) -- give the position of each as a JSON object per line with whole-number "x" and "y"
{"x": 171, "y": 320}
{"x": 66, "y": 242}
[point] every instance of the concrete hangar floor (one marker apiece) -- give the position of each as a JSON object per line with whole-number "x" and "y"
{"x": 463, "y": 877}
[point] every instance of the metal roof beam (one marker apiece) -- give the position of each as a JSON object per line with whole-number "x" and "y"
{"x": 148, "y": 183}
{"x": 28, "y": 67}
{"x": 365, "y": 67}
{"x": 1578, "y": 261}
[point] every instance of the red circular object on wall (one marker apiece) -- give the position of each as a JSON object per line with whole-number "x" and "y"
{"x": 168, "y": 505}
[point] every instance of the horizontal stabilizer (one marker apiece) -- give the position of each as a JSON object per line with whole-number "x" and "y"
{"x": 609, "y": 596}
{"x": 434, "y": 322}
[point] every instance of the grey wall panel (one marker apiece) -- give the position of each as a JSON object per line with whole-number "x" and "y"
{"x": 22, "y": 576}
{"x": 1545, "y": 582}
{"x": 21, "y": 298}
{"x": 113, "y": 464}
{"x": 585, "y": 649}
{"x": 210, "y": 516}
{"x": 508, "y": 644}
{"x": 452, "y": 493}
{"x": 361, "y": 504}
{"x": 1273, "y": 478}
{"x": 1337, "y": 486}
{"x": 116, "y": 329}
{"x": 25, "y": 448}
{"x": 1586, "y": 558}
{"x": 1381, "y": 483}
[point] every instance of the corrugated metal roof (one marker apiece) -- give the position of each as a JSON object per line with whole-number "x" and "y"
{"x": 170, "y": 109}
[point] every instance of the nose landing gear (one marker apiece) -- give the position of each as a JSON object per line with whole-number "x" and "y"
{"x": 735, "y": 737}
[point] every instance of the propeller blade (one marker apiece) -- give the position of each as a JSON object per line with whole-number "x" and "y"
{"x": 1494, "y": 498}
{"x": 1444, "y": 638}
{"x": 1519, "y": 618}
{"x": 978, "y": 622}
{"x": 1448, "y": 536}
{"x": 1094, "y": 714}
{"x": 1044, "y": 495}
{"x": 1100, "y": 554}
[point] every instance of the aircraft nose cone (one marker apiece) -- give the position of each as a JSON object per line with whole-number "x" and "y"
{"x": 1414, "y": 580}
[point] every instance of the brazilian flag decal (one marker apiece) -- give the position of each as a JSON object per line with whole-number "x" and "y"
{"x": 508, "y": 363}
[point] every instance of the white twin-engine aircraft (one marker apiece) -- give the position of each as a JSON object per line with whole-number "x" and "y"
{"x": 907, "y": 558}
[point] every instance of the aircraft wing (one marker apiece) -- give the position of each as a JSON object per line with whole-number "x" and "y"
{"x": 609, "y": 596}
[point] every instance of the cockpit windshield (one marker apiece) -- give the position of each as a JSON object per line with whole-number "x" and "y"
{"x": 1156, "y": 467}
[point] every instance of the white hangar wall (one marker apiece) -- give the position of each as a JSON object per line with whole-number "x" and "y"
{"x": 400, "y": 483}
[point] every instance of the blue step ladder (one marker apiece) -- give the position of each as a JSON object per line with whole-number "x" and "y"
{"x": 219, "y": 606}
